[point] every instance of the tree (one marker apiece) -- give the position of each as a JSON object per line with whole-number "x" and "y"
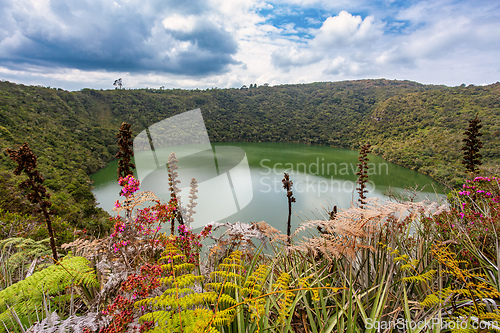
{"x": 118, "y": 83}
{"x": 27, "y": 162}
{"x": 363, "y": 173}
{"x": 472, "y": 144}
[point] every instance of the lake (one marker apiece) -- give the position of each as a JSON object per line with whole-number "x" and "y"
{"x": 243, "y": 181}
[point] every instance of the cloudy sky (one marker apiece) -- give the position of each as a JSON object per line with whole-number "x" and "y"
{"x": 75, "y": 44}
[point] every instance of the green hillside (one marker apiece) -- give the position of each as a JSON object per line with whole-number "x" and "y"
{"x": 73, "y": 133}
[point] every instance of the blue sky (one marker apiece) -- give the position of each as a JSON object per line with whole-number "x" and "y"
{"x": 228, "y": 43}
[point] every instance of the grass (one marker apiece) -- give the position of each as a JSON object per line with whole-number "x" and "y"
{"x": 386, "y": 267}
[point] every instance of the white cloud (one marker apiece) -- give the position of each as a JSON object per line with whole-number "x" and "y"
{"x": 342, "y": 38}
{"x": 228, "y": 43}
{"x": 178, "y": 22}
{"x": 347, "y": 30}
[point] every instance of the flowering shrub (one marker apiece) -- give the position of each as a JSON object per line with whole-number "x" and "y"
{"x": 138, "y": 233}
{"x": 122, "y": 312}
{"x": 129, "y": 185}
{"x": 190, "y": 243}
{"x": 142, "y": 285}
{"x": 474, "y": 214}
{"x": 145, "y": 226}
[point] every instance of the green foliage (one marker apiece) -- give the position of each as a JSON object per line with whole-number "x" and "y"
{"x": 74, "y": 133}
{"x": 417, "y": 126}
{"x": 172, "y": 310}
{"x": 13, "y": 224}
{"x": 16, "y": 254}
{"x": 26, "y": 296}
{"x": 469, "y": 295}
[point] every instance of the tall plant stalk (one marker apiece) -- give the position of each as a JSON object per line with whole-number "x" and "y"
{"x": 472, "y": 144}
{"x": 126, "y": 153}
{"x": 363, "y": 173}
{"x": 287, "y": 185}
{"x": 27, "y": 163}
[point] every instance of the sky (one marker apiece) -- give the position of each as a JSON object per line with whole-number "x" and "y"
{"x": 204, "y": 44}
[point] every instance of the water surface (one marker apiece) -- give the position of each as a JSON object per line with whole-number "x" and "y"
{"x": 322, "y": 177}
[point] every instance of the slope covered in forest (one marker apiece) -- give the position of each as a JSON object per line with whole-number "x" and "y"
{"x": 73, "y": 133}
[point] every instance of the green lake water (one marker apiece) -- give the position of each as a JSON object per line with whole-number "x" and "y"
{"x": 242, "y": 181}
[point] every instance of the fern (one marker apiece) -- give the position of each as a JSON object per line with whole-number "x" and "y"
{"x": 253, "y": 285}
{"x": 26, "y": 248}
{"x": 228, "y": 294}
{"x": 25, "y": 296}
{"x": 285, "y": 297}
{"x": 469, "y": 290}
{"x": 189, "y": 321}
{"x": 179, "y": 308}
{"x": 420, "y": 277}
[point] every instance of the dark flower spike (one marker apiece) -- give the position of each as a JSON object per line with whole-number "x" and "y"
{"x": 27, "y": 163}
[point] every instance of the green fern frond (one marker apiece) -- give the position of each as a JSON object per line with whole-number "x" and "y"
{"x": 184, "y": 267}
{"x": 170, "y": 301}
{"x": 257, "y": 309}
{"x": 234, "y": 257}
{"x": 438, "y": 297}
{"x": 412, "y": 264}
{"x": 26, "y": 295}
{"x": 430, "y": 300}
{"x": 231, "y": 287}
{"x": 190, "y": 321}
{"x": 258, "y": 276}
{"x": 224, "y": 317}
{"x": 168, "y": 280}
{"x": 284, "y": 299}
{"x": 421, "y": 277}
{"x": 226, "y": 300}
{"x": 282, "y": 282}
{"x": 181, "y": 309}
{"x": 224, "y": 275}
{"x": 178, "y": 291}
{"x": 25, "y": 250}
{"x": 70, "y": 270}
{"x": 213, "y": 286}
{"x": 186, "y": 280}
{"x": 404, "y": 257}
{"x": 231, "y": 266}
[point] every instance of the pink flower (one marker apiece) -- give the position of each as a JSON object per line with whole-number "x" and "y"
{"x": 130, "y": 185}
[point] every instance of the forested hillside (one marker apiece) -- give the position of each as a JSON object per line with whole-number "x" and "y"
{"x": 73, "y": 133}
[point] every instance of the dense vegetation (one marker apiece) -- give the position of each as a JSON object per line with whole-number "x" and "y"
{"x": 392, "y": 266}
{"x": 73, "y": 133}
